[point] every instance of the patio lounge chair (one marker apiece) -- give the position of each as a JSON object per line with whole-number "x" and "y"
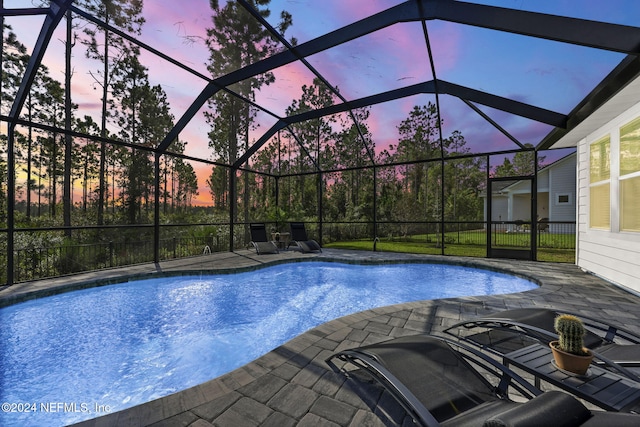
{"x": 615, "y": 348}
{"x": 260, "y": 241}
{"x": 444, "y": 383}
{"x": 299, "y": 237}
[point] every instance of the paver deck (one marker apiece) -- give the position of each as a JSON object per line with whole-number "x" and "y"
{"x": 292, "y": 385}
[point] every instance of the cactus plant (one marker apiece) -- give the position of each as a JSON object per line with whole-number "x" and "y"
{"x": 570, "y": 334}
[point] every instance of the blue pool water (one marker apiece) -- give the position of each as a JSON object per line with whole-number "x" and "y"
{"x": 82, "y": 354}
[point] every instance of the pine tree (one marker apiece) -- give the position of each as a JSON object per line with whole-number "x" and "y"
{"x": 109, "y": 49}
{"x": 308, "y": 145}
{"x": 236, "y": 40}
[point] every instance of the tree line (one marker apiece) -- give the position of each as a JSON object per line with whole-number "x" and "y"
{"x": 115, "y": 181}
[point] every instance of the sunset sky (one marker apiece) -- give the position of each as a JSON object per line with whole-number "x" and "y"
{"x": 545, "y": 74}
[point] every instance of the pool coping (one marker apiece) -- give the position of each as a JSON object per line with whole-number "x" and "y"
{"x": 29, "y": 290}
{"x": 292, "y": 385}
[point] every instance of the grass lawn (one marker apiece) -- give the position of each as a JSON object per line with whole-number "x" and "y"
{"x": 422, "y": 245}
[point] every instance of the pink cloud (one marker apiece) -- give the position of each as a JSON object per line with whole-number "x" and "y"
{"x": 446, "y": 40}
{"x": 177, "y": 25}
{"x": 178, "y": 32}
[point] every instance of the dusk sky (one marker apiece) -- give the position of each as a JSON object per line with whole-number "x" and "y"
{"x": 542, "y": 73}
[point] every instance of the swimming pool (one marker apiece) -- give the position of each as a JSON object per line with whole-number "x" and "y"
{"x": 78, "y": 355}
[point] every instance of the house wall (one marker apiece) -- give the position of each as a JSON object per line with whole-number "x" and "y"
{"x": 514, "y": 203}
{"x": 522, "y": 206}
{"x": 543, "y": 180}
{"x": 554, "y": 180}
{"x": 611, "y": 254}
{"x": 543, "y": 194}
{"x": 562, "y": 181}
{"x": 499, "y": 212}
{"x": 499, "y": 208}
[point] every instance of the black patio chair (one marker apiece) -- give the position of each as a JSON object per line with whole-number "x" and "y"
{"x": 615, "y": 348}
{"x": 260, "y": 240}
{"x": 300, "y": 238}
{"x": 440, "y": 382}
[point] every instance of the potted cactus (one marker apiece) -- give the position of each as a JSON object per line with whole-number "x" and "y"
{"x": 569, "y": 351}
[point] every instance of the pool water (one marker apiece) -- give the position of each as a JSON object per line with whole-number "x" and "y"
{"x": 82, "y": 354}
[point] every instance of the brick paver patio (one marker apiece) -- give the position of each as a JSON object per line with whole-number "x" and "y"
{"x": 293, "y": 386}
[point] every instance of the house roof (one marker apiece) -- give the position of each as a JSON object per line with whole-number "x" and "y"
{"x": 556, "y": 162}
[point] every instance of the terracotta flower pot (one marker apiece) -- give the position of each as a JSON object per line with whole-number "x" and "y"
{"x": 570, "y": 362}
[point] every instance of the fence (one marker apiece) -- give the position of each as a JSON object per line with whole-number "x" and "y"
{"x": 51, "y": 261}
{"x": 556, "y": 234}
{"x": 460, "y": 238}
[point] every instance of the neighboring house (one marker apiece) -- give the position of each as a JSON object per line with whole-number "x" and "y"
{"x": 556, "y": 198}
{"x": 606, "y": 133}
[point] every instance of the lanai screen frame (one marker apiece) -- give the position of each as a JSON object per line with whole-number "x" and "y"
{"x": 599, "y": 35}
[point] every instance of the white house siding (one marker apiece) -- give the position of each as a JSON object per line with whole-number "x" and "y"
{"x": 521, "y": 206}
{"x": 543, "y": 194}
{"x": 543, "y": 180}
{"x": 500, "y": 209}
{"x": 612, "y": 255}
{"x": 562, "y": 180}
{"x": 519, "y": 201}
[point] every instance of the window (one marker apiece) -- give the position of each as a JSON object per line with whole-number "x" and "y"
{"x": 630, "y": 176}
{"x": 600, "y": 183}
{"x": 563, "y": 199}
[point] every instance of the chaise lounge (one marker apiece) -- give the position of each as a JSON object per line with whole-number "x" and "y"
{"x": 260, "y": 241}
{"x": 299, "y": 237}
{"x": 440, "y": 382}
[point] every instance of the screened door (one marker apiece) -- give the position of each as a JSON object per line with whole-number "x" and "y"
{"x": 509, "y": 211}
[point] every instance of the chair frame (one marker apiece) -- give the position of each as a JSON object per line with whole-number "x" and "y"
{"x": 259, "y": 227}
{"x": 306, "y": 244}
{"x": 411, "y": 404}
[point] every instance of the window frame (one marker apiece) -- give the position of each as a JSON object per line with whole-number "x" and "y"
{"x": 623, "y": 177}
{"x": 605, "y": 143}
